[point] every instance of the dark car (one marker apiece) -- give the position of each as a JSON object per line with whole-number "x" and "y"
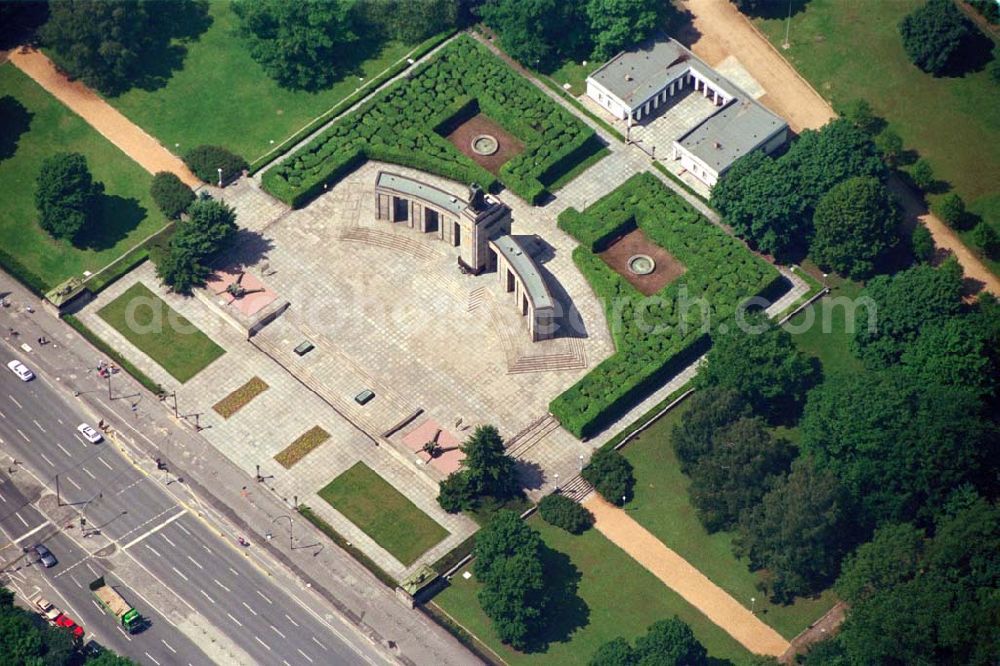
{"x": 45, "y": 556}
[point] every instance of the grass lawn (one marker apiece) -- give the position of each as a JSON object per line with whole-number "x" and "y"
{"x": 662, "y": 505}
{"x": 615, "y": 596}
{"x": 953, "y": 122}
{"x": 575, "y": 74}
{"x": 828, "y": 337}
{"x": 383, "y": 513}
{"x": 160, "y": 332}
{"x": 127, "y": 216}
{"x": 222, "y": 96}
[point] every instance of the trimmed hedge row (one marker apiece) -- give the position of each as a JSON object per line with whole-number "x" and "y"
{"x": 394, "y": 126}
{"x": 654, "y": 337}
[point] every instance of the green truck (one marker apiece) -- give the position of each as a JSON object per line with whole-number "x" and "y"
{"x": 114, "y": 603}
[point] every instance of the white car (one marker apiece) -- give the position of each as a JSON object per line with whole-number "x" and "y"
{"x": 21, "y": 370}
{"x": 89, "y": 433}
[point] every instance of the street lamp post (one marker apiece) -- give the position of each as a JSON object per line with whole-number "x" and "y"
{"x": 753, "y": 604}
{"x": 289, "y": 518}
{"x": 220, "y": 174}
{"x": 788, "y": 26}
{"x": 557, "y": 481}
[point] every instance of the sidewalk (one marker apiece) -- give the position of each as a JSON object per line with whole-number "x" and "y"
{"x": 326, "y": 576}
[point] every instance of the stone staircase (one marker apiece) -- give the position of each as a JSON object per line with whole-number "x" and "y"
{"x": 532, "y": 435}
{"x": 415, "y": 247}
{"x": 574, "y": 359}
{"x": 577, "y": 489}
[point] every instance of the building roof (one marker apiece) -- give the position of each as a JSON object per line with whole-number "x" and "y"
{"x": 414, "y": 188}
{"x": 634, "y": 76}
{"x": 732, "y": 132}
{"x": 524, "y": 266}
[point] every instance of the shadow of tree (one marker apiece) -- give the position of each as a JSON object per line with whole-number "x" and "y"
{"x": 172, "y": 25}
{"x": 530, "y": 474}
{"x": 974, "y": 53}
{"x": 15, "y": 120}
{"x": 117, "y": 216}
{"x": 247, "y": 249}
{"x": 19, "y": 20}
{"x": 566, "y": 611}
{"x": 773, "y": 9}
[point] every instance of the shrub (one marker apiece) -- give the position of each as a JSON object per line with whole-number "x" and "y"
{"x": 855, "y": 227}
{"x": 171, "y": 195}
{"x": 922, "y": 243}
{"x": 66, "y": 196}
{"x": 933, "y": 33}
{"x": 952, "y": 210}
{"x": 986, "y": 237}
{"x": 611, "y": 475}
{"x": 922, "y": 174}
{"x": 563, "y": 512}
{"x": 205, "y": 162}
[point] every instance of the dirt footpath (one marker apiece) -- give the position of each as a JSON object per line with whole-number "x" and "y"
{"x": 677, "y": 574}
{"x": 724, "y": 31}
{"x": 103, "y": 117}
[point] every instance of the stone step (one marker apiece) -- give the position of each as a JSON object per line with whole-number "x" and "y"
{"x": 532, "y": 438}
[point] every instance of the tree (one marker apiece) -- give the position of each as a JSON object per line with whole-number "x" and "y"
{"x": 798, "y": 533}
{"x": 891, "y": 557}
{"x": 952, "y": 210}
{"x": 744, "y": 463}
{"x": 617, "y": 24}
{"x": 563, "y": 512}
{"x": 922, "y": 243}
{"x": 922, "y": 174}
{"x": 410, "y": 21}
{"x": 536, "y": 33}
{"x": 859, "y": 113}
{"x": 986, "y": 237}
{"x": 764, "y": 367}
{"x": 611, "y": 475}
{"x": 67, "y": 198}
{"x": 709, "y": 410}
{"x": 665, "y": 643}
{"x": 616, "y": 652}
{"x": 301, "y": 45}
{"x": 897, "y": 446}
{"x": 855, "y": 226}
{"x": 890, "y": 145}
{"x": 932, "y": 35}
{"x": 486, "y": 471}
{"x": 509, "y": 565}
{"x": 171, "y": 195}
{"x": 205, "y": 162}
{"x": 899, "y": 306}
{"x": 209, "y": 228}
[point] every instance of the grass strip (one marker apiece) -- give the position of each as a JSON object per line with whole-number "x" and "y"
{"x": 346, "y": 545}
{"x": 120, "y": 360}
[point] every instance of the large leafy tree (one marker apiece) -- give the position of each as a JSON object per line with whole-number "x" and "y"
{"x": 899, "y": 447}
{"x": 933, "y": 34}
{"x": 536, "y": 33}
{"x": 67, "y": 198}
{"x": 762, "y": 364}
{"x": 744, "y": 462}
{"x": 611, "y": 475}
{"x": 509, "y": 565}
{"x": 209, "y": 228}
{"x": 708, "y": 410}
{"x": 665, "y": 643}
{"x": 798, "y": 533}
{"x": 487, "y": 471}
{"x": 855, "y": 226}
{"x": 926, "y": 601}
{"x": 617, "y": 24}
{"x": 900, "y": 306}
{"x": 302, "y": 45}
{"x": 410, "y": 21}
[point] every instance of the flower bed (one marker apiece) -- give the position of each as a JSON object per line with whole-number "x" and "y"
{"x": 301, "y": 447}
{"x": 395, "y": 126}
{"x": 239, "y": 398}
{"x": 654, "y": 336}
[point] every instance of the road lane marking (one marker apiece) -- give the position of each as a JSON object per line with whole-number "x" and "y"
{"x": 87, "y": 472}
{"x": 168, "y": 646}
{"x": 63, "y": 449}
{"x": 245, "y": 604}
{"x": 82, "y": 441}
{"x": 74, "y": 484}
{"x": 262, "y": 642}
{"x": 167, "y": 539}
{"x": 125, "y": 634}
{"x": 21, "y": 519}
{"x": 291, "y": 620}
{"x": 184, "y": 529}
{"x": 14, "y": 400}
{"x": 3, "y": 499}
{"x": 98, "y": 607}
{"x": 92, "y": 569}
{"x": 275, "y": 630}
{"x": 206, "y": 548}
{"x": 154, "y": 551}
{"x": 152, "y": 660}
{"x": 235, "y": 572}
{"x": 155, "y": 529}
{"x": 261, "y": 595}
{"x": 28, "y": 534}
{"x": 238, "y": 623}
{"x": 306, "y": 656}
{"x": 195, "y": 562}
{"x": 178, "y": 572}
{"x": 101, "y": 460}
{"x": 221, "y": 585}
{"x": 21, "y": 433}
{"x": 38, "y": 424}
{"x": 73, "y": 578}
{"x": 60, "y": 422}
{"x": 319, "y": 644}
{"x": 205, "y": 594}
{"x": 3, "y": 415}
{"x": 46, "y": 459}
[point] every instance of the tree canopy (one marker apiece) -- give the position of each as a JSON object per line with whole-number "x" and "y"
{"x": 617, "y": 24}
{"x": 486, "y": 471}
{"x": 67, "y": 198}
{"x": 708, "y": 410}
{"x": 210, "y": 226}
{"x": 665, "y": 643}
{"x": 855, "y": 226}
{"x": 933, "y": 34}
{"x": 563, "y": 512}
{"x": 409, "y": 21}
{"x": 611, "y": 475}
{"x": 302, "y": 45}
{"x": 171, "y": 195}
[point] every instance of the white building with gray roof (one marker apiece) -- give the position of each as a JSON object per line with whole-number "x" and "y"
{"x": 634, "y": 84}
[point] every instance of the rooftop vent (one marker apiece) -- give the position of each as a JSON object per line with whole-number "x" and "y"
{"x": 717, "y": 145}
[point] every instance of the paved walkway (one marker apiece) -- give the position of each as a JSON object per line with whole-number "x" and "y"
{"x": 724, "y": 32}
{"x": 677, "y": 574}
{"x": 103, "y": 117}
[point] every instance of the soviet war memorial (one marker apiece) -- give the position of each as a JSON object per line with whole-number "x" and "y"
{"x": 502, "y": 332}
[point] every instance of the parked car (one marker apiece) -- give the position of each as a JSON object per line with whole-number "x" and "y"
{"x": 21, "y": 370}
{"x": 66, "y": 621}
{"x": 45, "y": 556}
{"x": 89, "y": 433}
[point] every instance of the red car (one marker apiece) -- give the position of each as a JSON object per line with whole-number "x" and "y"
{"x": 65, "y": 621}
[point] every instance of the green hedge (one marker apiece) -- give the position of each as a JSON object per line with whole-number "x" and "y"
{"x": 352, "y": 550}
{"x": 109, "y": 351}
{"x": 13, "y": 265}
{"x": 718, "y": 269}
{"x": 395, "y": 126}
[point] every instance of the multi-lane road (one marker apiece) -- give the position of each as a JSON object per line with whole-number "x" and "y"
{"x": 138, "y": 529}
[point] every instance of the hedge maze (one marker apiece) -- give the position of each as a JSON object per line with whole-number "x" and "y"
{"x": 404, "y": 125}
{"x": 654, "y": 336}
